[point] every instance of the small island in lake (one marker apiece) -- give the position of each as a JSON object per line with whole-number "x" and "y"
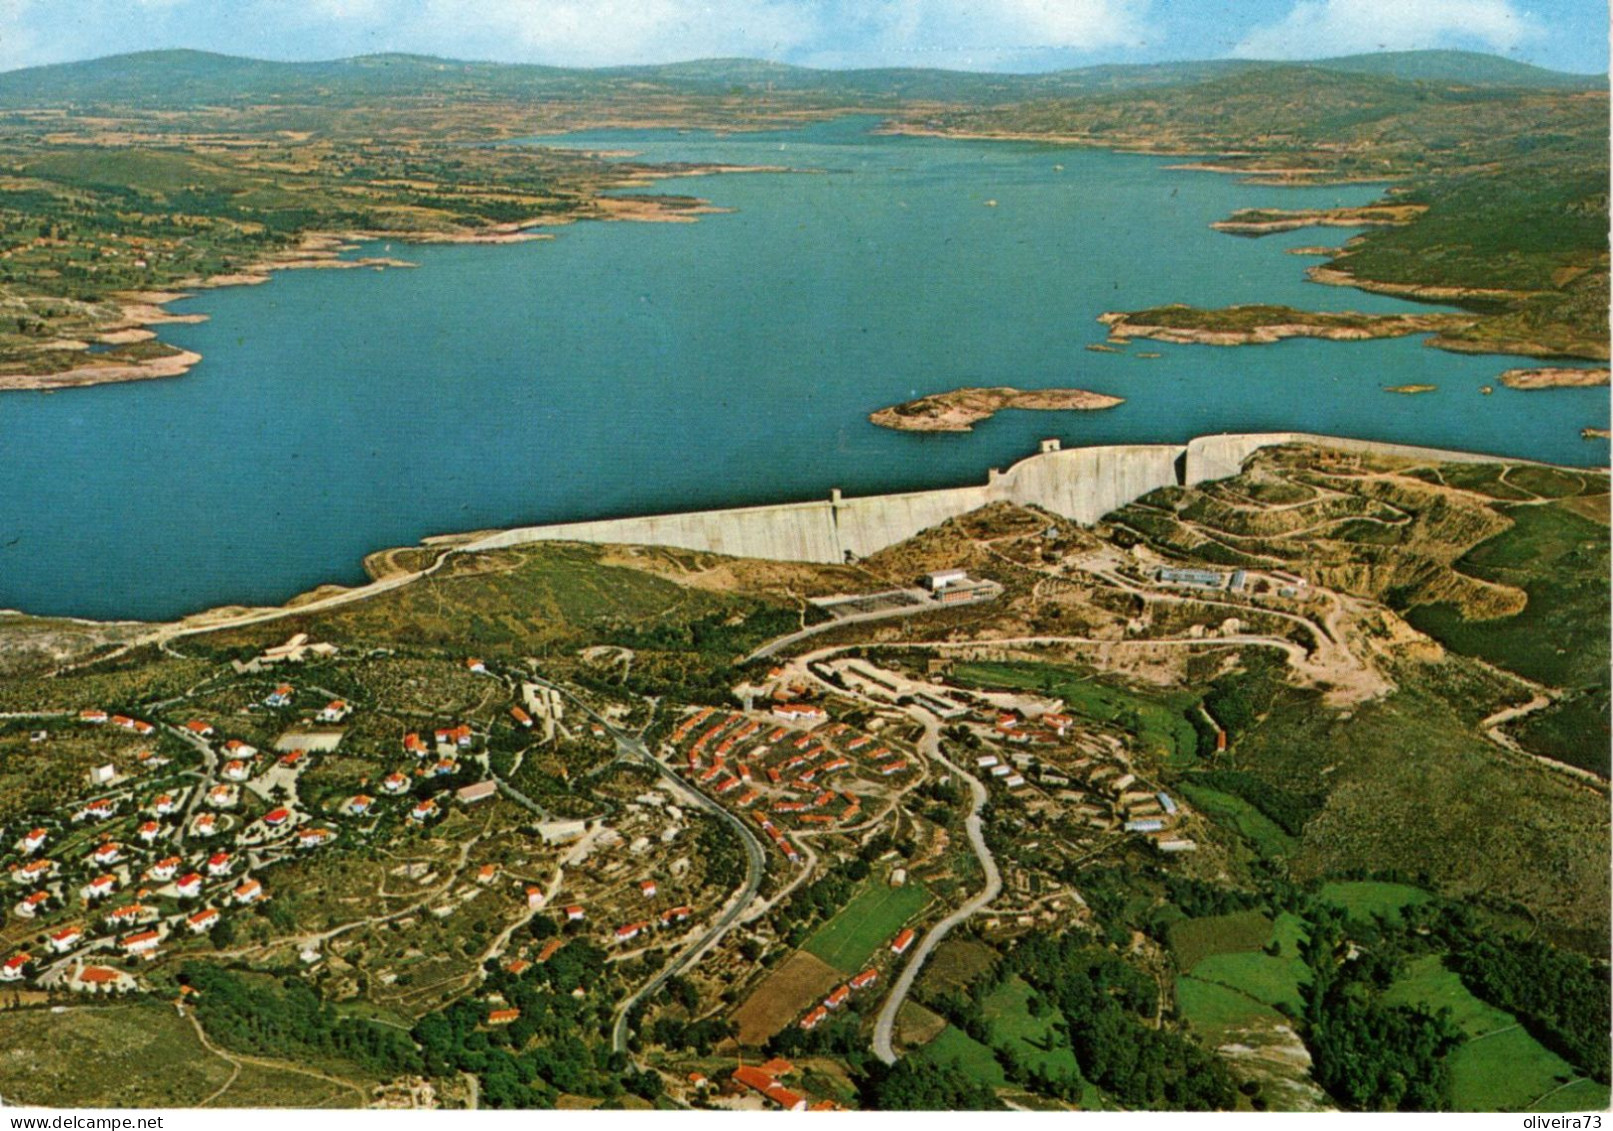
{"x": 1554, "y": 378}
{"x": 961, "y": 409}
{"x": 1410, "y": 389}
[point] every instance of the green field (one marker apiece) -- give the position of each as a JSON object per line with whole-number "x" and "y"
{"x": 1229, "y": 981}
{"x": 1160, "y": 723}
{"x": 1270, "y": 981}
{"x": 869, "y": 921}
{"x": 1210, "y": 1009}
{"x": 1032, "y": 1038}
{"x": 1500, "y": 1067}
{"x": 1364, "y": 899}
{"x": 1192, "y": 940}
{"x": 1264, "y": 835}
{"x": 954, "y": 1046}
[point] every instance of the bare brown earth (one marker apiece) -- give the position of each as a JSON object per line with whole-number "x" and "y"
{"x": 1553, "y": 378}
{"x": 961, "y": 409}
{"x": 170, "y": 366}
{"x": 783, "y": 996}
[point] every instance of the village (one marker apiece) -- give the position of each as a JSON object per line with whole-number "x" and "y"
{"x": 175, "y": 847}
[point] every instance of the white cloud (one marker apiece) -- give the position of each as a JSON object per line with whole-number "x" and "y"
{"x": 1316, "y": 28}
{"x": 602, "y": 32}
{"x": 976, "y": 33}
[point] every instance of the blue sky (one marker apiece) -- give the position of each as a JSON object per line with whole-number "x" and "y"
{"x": 1018, "y": 35}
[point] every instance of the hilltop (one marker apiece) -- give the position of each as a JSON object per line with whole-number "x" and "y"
{"x": 188, "y": 78}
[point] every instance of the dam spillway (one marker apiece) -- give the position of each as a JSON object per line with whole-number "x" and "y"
{"x": 1080, "y": 484}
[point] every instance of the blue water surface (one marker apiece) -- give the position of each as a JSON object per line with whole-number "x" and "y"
{"x": 626, "y": 368}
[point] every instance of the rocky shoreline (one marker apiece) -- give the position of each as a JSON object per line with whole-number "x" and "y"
{"x": 1263, "y": 325}
{"x": 1266, "y": 221}
{"x": 320, "y": 250}
{"x": 1554, "y": 378}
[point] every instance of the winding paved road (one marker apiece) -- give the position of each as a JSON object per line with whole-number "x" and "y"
{"x": 632, "y": 747}
{"x": 885, "y": 1026}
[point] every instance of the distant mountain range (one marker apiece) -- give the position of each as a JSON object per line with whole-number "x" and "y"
{"x": 189, "y": 78}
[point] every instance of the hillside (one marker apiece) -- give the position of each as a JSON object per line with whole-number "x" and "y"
{"x": 1511, "y": 181}
{"x": 484, "y": 830}
{"x": 189, "y": 79}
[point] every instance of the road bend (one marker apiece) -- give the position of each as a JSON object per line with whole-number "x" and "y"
{"x": 885, "y": 1026}
{"x": 632, "y": 748}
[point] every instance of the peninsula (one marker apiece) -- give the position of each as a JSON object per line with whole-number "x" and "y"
{"x": 961, "y": 409}
{"x": 1266, "y": 221}
{"x": 1554, "y": 378}
{"x": 1260, "y": 324}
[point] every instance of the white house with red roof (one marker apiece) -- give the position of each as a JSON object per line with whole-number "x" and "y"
{"x": 274, "y": 818}
{"x": 189, "y": 886}
{"x": 249, "y": 892}
{"x": 109, "y": 853}
{"x": 203, "y": 921}
{"x": 799, "y": 712}
{"x": 535, "y": 898}
{"x": 123, "y": 916}
{"x": 200, "y": 728}
{"x": 358, "y": 805}
{"x": 219, "y": 864}
{"x": 865, "y": 979}
{"x": 280, "y": 696}
{"x": 34, "y": 841}
{"x": 630, "y": 931}
{"x": 149, "y": 831}
{"x": 395, "y": 783}
{"x": 32, "y": 905}
{"x": 313, "y": 838}
{"x": 235, "y": 748}
{"x": 902, "y": 941}
{"x": 66, "y": 939}
{"x": 33, "y": 871}
{"x": 235, "y": 770}
{"x": 335, "y": 711}
{"x": 165, "y": 869}
{"x": 101, "y": 887}
{"x": 142, "y": 943}
{"x": 423, "y": 811}
{"x": 164, "y": 804}
{"x": 12, "y": 969}
{"x": 575, "y": 914}
{"x": 647, "y": 888}
{"x": 205, "y": 825}
{"x": 223, "y": 797}
{"x": 99, "y": 810}
{"x": 93, "y": 715}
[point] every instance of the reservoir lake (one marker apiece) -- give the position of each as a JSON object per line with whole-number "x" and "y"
{"x": 636, "y": 368}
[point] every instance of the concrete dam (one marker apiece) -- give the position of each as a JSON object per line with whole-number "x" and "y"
{"x": 1081, "y": 484}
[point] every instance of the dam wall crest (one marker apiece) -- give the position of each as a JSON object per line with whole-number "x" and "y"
{"x": 1081, "y": 484}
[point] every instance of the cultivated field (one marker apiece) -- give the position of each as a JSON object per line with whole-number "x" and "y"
{"x": 871, "y": 919}
{"x": 783, "y": 996}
